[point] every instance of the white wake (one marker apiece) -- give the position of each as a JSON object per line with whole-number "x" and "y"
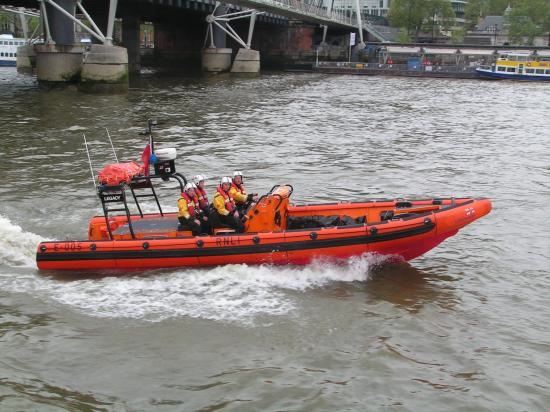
{"x": 229, "y": 293}
{"x": 17, "y": 248}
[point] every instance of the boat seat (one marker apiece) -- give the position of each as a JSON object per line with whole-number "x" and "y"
{"x": 222, "y": 231}
{"x": 182, "y": 233}
{"x": 386, "y": 215}
{"x": 160, "y": 227}
{"x": 315, "y": 221}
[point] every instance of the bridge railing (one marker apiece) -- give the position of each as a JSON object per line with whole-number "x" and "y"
{"x": 313, "y": 9}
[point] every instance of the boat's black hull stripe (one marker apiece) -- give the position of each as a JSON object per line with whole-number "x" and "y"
{"x": 234, "y": 250}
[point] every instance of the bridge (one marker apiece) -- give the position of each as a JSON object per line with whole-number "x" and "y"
{"x": 61, "y": 55}
{"x": 313, "y": 11}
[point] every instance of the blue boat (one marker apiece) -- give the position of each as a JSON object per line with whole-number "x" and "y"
{"x": 517, "y": 66}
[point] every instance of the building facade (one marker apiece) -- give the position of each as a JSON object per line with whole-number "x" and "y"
{"x": 380, "y": 8}
{"x": 368, "y": 7}
{"x": 459, "y": 6}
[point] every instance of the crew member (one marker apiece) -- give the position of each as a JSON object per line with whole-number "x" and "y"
{"x": 224, "y": 208}
{"x": 190, "y": 215}
{"x": 201, "y": 196}
{"x": 238, "y": 192}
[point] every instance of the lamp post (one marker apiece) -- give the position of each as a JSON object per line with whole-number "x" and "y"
{"x": 433, "y": 27}
{"x": 317, "y": 57}
{"x": 496, "y": 32}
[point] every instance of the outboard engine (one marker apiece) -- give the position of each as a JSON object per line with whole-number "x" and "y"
{"x": 165, "y": 162}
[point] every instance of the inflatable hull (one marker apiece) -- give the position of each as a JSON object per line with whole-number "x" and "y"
{"x": 417, "y": 227}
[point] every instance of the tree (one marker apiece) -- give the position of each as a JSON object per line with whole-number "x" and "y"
{"x": 458, "y": 34}
{"x": 403, "y": 36}
{"x": 6, "y": 20}
{"x": 10, "y": 21}
{"x": 528, "y": 19}
{"x": 408, "y": 14}
{"x": 417, "y": 15}
{"x": 440, "y": 15}
{"x": 476, "y": 9}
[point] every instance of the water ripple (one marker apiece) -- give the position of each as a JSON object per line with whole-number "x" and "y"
{"x": 463, "y": 327}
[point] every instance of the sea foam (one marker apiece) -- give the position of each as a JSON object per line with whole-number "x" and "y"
{"x": 230, "y": 293}
{"x": 17, "y": 247}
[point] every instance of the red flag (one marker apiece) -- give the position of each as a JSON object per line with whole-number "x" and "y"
{"x": 145, "y": 159}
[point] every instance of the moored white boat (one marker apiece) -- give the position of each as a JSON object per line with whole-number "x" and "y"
{"x": 8, "y": 49}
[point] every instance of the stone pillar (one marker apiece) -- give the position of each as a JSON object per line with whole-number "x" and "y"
{"x": 61, "y": 27}
{"x": 26, "y": 58}
{"x": 105, "y": 68}
{"x": 218, "y": 58}
{"x": 220, "y": 36}
{"x": 246, "y": 61}
{"x": 58, "y": 63}
{"x": 62, "y": 60}
{"x": 131, "y": 40}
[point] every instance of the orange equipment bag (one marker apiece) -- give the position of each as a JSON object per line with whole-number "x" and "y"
{"x": 118, "y": 173}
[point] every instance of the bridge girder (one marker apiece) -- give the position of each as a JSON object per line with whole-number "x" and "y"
{"x": 153, "y": 10}
{"x": 205, "y": 6}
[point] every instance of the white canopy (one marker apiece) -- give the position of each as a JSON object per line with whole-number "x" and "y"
{"x": 403, "y": 49}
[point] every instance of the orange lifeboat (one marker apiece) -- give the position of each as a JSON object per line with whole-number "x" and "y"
{"x": 276, "y": 231}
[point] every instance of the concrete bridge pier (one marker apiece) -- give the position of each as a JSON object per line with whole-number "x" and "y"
{"x": 61, "y": 27}
{"x": 246, "y": 61}
{"x": 61, "y": 59}
{"x": 58, "y": 62}
{"x": 26, "y": 58}
{"x": 58, "y": 59}
{"x": 130, "y": 39}
{"x": 216, "y": 58}
{"x": 104, "y": 66}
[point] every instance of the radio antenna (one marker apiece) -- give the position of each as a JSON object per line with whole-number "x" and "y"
{"x": 113, "y": 147}
{"x": 150, "y": 124}
{"x": 89, "y": 160}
